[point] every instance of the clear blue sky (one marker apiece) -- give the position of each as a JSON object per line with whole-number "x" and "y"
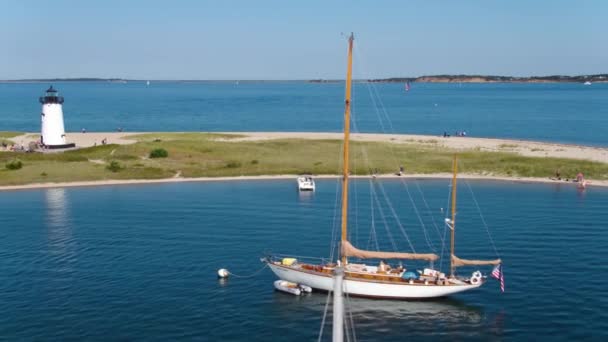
{"x": 281, "y": 39}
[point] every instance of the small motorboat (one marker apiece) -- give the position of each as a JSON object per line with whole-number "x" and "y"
{"x": 587, "y": 83}
{"x": 292, "y": 288}
{"x": 306, "y": 183}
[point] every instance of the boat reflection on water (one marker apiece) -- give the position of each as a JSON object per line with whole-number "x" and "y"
{"x": 361, "y": 308}
{"x": 396, "y": 318}
{"x": 305, "y": 196}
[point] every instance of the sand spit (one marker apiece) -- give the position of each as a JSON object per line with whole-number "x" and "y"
{"x": 406, "y": 177}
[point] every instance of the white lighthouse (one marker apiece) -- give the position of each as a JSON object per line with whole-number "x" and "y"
{"x": 53, "y": 132}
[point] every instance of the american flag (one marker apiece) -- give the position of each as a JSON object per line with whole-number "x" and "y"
{"x": 498, "y": 274}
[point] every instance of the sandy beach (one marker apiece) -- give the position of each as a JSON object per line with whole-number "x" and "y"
{"x": 409, "y": 177}
{"x": 522, "y": 147}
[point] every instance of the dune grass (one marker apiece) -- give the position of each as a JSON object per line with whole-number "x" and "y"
{"x": 5, "y": 137}
{"x": 210, "y": 155}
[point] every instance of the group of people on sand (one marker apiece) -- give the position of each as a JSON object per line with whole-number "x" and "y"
{"x": 457, "y": 134}
{"x": 18, "y": 148}
{"x": 6, "y": 147}
{"x": 375, "y": 172}
{"x": 580, "y": 177}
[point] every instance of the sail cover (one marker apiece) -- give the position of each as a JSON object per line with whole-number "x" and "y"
{"x": 457, "y": 262}
{"x": 350, "y": 251}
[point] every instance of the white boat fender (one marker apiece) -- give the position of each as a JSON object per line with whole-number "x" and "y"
{"x": 476, "y": 278}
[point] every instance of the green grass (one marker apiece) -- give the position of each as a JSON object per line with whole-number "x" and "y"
{"x": 211, "y": 155}
{"x": 5, "y": 134}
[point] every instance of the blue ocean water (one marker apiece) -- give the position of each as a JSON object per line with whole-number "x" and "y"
{"x": 138, "y": 262}
{"x": 569, "y": 113}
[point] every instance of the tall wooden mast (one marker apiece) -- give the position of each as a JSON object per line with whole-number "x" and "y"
{"x": 346, "y": 145}
{"x": 453, "y": 225}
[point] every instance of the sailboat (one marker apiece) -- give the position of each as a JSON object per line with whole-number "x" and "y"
{"x": 380, "y": 281}
{"x": 407, "y": 86}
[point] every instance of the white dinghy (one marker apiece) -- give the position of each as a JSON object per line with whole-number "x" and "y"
{"x": 292, "y": 288}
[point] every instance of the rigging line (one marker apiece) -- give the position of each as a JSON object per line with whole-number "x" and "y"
{"x": 445, "y": 225}
{"x": 414, "y": 206}
{"x": 324, "y": 316}
{"x": 334, "y": 233}
{"x": 483, "y": 220}
{"x": 363, "y": 63}
{"x": 376, "y": 109}
{"x": 424, "y": 230}
{"x": 372, "y": 231}
{"x": 445, "y": 233}
{"x": 334, "y": 229}
{"x": 386, "y": 199}
{"x": 397, "y": 218}
{"x": 426, "y": 235}
{"x": 394, "y": 159}
{"x": 367, "y": 163}
{"x": 428, "y": 210}
{"x": 250, "y": 275}
{"x": 383, "y": 218}
{"x": 350, "y": 316}
{"x": 383, "y": 108}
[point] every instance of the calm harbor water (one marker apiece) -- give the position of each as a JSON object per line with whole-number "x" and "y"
{"x": 139, "y": 262}
{"x": 570, "y": 113}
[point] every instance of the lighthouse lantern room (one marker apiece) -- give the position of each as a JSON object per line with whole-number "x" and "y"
{"x": 53, "y": 132}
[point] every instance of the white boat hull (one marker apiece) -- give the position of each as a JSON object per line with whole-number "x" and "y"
{"x": 363, "y": 288}
{"x": 306, "y": 184}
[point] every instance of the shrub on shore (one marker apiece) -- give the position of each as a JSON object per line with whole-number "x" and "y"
{"x": 159, "y": 153}
{"x": 233, "y": 165}
{"x": 114, "y": 166}
{"x": 14, "y": 164}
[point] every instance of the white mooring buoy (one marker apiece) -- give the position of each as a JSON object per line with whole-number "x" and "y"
{"x": 223, "y": 273}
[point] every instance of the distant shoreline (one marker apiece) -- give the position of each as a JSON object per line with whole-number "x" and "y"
{"x": 596, "y": 78}
{"x": 595, "y": 183}
{"x": 593, "y": 78}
